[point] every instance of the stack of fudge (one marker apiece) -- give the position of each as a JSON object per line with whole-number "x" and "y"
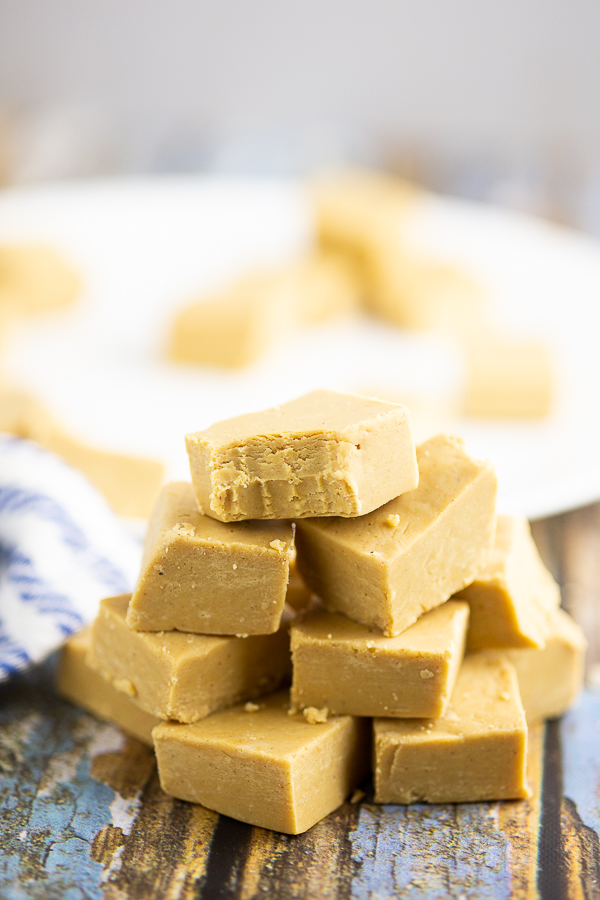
{"x": 425, "y": 632}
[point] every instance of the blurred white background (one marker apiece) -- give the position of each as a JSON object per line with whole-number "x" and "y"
{"x": 495, "y": 101}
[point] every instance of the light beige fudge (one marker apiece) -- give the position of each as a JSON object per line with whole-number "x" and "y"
{"x": 35, "y": 278}
{"x": 77, "y": 682}
{"x": 348, "y": 669}
{"x": 355, "y": 208}
{"x": 205, "y": 576}
{"x": 508, "y": 378}
{"x": 514, "y": 597}
{"x": 185, "y": 676}
{"x": 323, "y": 454}
{"x": 364, "y": 214}
{"x": 476, "y": 751}
{"x": 326, "y": 286}
{"x": 235, "y": 326}
{"x": 264, "y": 766}
{"x": 298, "y": 596}
{"x": 422, "y": 294}
{"x": 129, "y": 483}
{"x": 387, "y": 568}
{"x": 551, "y": 678}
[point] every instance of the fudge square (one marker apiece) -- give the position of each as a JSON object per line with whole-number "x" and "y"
{"x": 260, "y": 765}
{"x": 550, "y": 678}
{"x": 476, "y": 751}
{"x": 324, "y": 454}
{"x": 200, "y": 575}
{"x": 514, "y": 597}
{"x": 185, "y": 676}
{"x": 387, "y": 568}
{"x": 77, "y": 682}
{"x": 345, "y": 667}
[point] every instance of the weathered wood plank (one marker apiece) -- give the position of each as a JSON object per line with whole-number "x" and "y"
{"x": 83, "y": 815}
{"x": 81, "y": 809}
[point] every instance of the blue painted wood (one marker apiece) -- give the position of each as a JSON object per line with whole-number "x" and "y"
{"x": 82, "y": 817}
{"x": 580, "y": 732}
{"x": 50, "y": 807}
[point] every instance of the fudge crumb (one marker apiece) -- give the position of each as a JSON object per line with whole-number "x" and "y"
{"x": 235, "y": 565}
{"x": 185, "y": 529}
{"x": 329, "y": 636}
{"x": 242, "y": 635}
{"x": 252, "y": 707}
{"x": 357, "y": 796}
{"x": 292, "y": 711}
{"x": 370, "y": 645}
{"x": 315, "y": 716}
{"x": 426, "y": 673}
{"x": 277, "y": 545}
{"x": 125, "y": 686}
{"x": 392, "y": 521}
{"x": 452, "y": 716}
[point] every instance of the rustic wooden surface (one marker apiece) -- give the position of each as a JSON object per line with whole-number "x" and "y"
{"x": 83, "y": 815}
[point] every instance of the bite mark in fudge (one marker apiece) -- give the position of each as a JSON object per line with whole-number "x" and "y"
{"x": 323, "y": 454}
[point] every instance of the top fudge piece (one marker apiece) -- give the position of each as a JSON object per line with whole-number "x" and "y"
{"x": 324, "y": 454}
{"x": 387, "y": 568}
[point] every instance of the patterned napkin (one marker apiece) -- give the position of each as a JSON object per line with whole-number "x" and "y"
{"x": 62, "y": 550}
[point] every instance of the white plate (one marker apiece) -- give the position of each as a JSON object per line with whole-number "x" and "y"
{"x": 146, "y": 245}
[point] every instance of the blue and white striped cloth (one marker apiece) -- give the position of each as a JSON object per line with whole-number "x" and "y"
{"x": 61, "y": 550}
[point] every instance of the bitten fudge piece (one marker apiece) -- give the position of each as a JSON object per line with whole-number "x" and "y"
{"x": 514, "y": 597}
{"x": 389, "y": 567}
{"x": 200, "y": 575}
{"x": 323, "y": 454}
{"x": 80, "y": 684}
{"x": 345, "y": 667}
{"x": 476, "y": 751}
{"x": 185, "y": 676}
{"x": 264, "y": 766}
{"x": 550, "y": 679}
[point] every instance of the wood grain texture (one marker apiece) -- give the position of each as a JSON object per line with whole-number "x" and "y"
{"x": 83, "y": 816}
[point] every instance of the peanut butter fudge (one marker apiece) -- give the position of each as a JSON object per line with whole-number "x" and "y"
{"x": 235, "y": 326}
{"x": 326, "y": 286}
{"x": 345, "y": 667}
{"x": 35, "y": 278}
{"x": 476, "y": 751}
{"x": 508, "y": 378}
{"x": 80, "y": 684}
{"x": 323, "y": 454}
{"x": 514, "y": 597}
{"x": 201, "y": 575}
{"x": 185, "y": 676}
{"x": 129, "y": 483}
{"x": 387, "y": 568}
{"x": 298, "y": 596}
{"x": 264, "y": 766}
{"x": 356, "y": 208}
{"x": 550, "y": 679}
{"x": 418, "y": 294}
